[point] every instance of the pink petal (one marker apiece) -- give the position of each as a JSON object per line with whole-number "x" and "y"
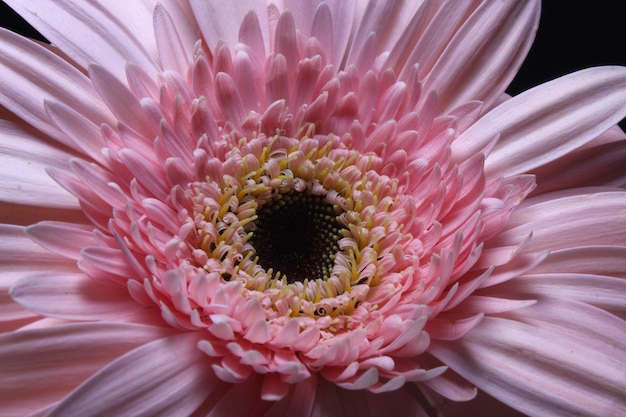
{"x": 97, "y": 31}
{"x": 52, "y": 361}
{"x": 17, "y": 252}
{"x": 598, "y": 165}
{"x": 484, "y": 55}
{"x": 73, "y": 297}
{"x": 83, "y": 134}
{"x": 120, "y": 100}
{"x": 569, "y": 221}
{"x": 476, "y": 407}
{"x": 36, "y": 74}
{"x": 431, "y": 33}
{"x": 568, "y": 358}
{"x": 605, "y": 292}
{"x": 601, "y": 260}
{"x": 220, "y": 21}
{"x": 173, "y": 53}
{"x": 23, "y": 163}
{"x": 65, "y": 239}
{"x": 548, "y": 121}
{"x": 169, "y": 376}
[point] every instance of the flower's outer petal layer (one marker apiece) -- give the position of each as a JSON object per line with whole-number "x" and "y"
{"x": 41, "y": 366}
{"x": 97, "y": 31}
{"x": 166, "y": 377}
{"x": 220, "y": 21}
{"x": 73, "y": 297}
{"x": 566, "y": 219}
{"x": 557, "y": 358}
{"x": 65, "y": 239}
{"x": 342, "y": 13}
{"x": 598, "y": 163}
{"x": 37, "y": 74}
{"x": 483, "y": 57}
{"x": 548, "y": 121}
{"x": 24, "y": 159}
{"x": 17, "y": 252}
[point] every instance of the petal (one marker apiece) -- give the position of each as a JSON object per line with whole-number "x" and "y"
{"x": 600, "y": 165}
{"x": 100, "y": 31}
{"x": 548, "y": 121}
{"x": 20, "y": 256}
{"x": 50, "y": 362}
{"x": 24, "y": 159}
{"x": 65, "y": 239}
{"x": 567, "y": 357}
{"x": 220, "y": 21}
{"x": 73, "y": 297}
{"x": 569, "y": 221}
{"x": 174, "y": 54}
{"x": 484, "y": 55}
{"x": 35, "y": 74}
{"x": 120, "y": 100}
{"x": 601, "y": 260}
{"x": 169, "y": 376}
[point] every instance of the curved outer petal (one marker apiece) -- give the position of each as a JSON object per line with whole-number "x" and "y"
{"x": 548, "y": 121}
{"x": 52, "y": 361}
{"x": 342, "y": 12}
{"x": 220, "y": 21}
{"x": 97, "y": 31}
{"x": 24, "y": 159}
{"x": 167, "y": 377}
{"x": 484, "y": 55}
{"x": 17, "y": 252}
{"x": 32, "y": 74}
{"x": 73, "y": 297}
{"x": 563, "y": 221}
{"x": 568, "y": 357}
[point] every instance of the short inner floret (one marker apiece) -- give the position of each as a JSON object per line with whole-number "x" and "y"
{"x": 297, "y": 235}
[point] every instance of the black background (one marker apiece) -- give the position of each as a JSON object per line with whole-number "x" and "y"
{"x": 571, "y": 36}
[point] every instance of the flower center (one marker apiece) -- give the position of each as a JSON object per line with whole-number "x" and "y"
{"x": 304, "y": 226}
{"x": 297, "y": 235}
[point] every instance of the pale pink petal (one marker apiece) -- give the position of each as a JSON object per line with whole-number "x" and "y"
{"x": 572, "y": 361}
{"x": 602, "y": 260}
{"x": 605, "y": 292}
{"x": 589, "y": 166}
{"x": 168, "y": 376}
{"x": 65, "y": 239}
{"x": 24, "y": 159}
{"x": 431, "y": 33}
{"x": 120, "y": 100}
{"x": 83, "y": 134}
{"x": 484, "y": 55}
{"x": 73, "y": 297}
{"x": 53, "y": 361}
{"x": 557, "y": 223}
{"x": 174, "y": 54}
{"x": 220, "y": 21}
{"x": 97, "y": 31}
{"x": 37, "y": 74}
{"x": 547, "y": 121}
{"x": 17, "y": 252}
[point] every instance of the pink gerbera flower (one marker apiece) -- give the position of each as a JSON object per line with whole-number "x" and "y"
{"x": 306, "y": 209}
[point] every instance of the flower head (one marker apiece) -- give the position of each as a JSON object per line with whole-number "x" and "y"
{"x": 306, "y": 209}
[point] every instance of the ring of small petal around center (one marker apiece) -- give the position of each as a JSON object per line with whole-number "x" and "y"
{"x": 255, "y": 172}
